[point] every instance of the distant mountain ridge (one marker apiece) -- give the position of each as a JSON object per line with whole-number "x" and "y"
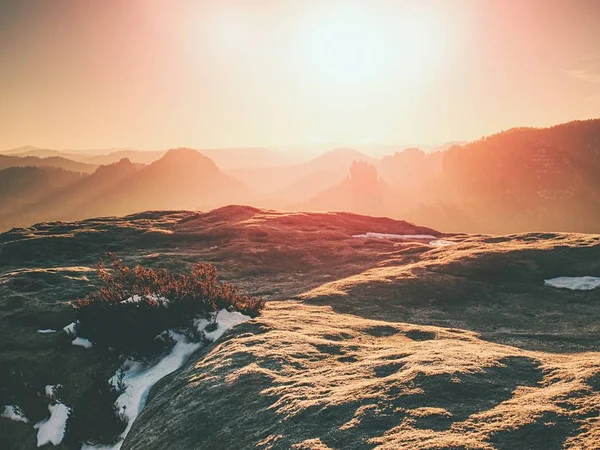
{"x": 289, "y": 181}
{"x": 523, "y": 179}
{"x": 181, "y": 179}
{"x": 20, "y": 186}
{"x": 225, "y": 158}
{"x": 528, "y": 179}
{"x": 50, "y": 161}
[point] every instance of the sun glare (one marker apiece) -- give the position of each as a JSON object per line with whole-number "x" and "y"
{"x": 343, "y": 49}
{"x": 349, "y": 47}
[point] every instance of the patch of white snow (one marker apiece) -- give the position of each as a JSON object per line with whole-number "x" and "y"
{"x": 78, "y": 341}
{"x": 574, "y": 283}
{"x": 52, "y": 430}
{"x": 14, "y": 413}
{"x": 47, "y": 331}
{"x": 225, "y": 320}
{"x": 441, "y": 243}
{"x": 137, "y": 298}
{"x": 82, "y": 342}
{"x": 394, "y": 236}
{"x": 138, "y": 378}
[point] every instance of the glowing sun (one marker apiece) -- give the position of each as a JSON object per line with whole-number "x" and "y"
{"x": 349, "y": 47}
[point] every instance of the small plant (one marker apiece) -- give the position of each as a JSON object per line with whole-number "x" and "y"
{"x": 212, "y": 324}
{"x": 120, "y": 384}
{"x": 134, "y": 308}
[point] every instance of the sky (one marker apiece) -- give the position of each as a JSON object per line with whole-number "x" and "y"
{"x": 155, "y": 74}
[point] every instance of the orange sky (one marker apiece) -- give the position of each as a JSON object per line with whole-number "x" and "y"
{"x": 154, "y": 74}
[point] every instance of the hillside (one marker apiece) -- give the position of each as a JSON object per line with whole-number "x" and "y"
{"x": 520, "y": 180}
{"x": 377, "y": 334}
{"x": 76, "y": 201}
{"x": 225, "y": 158}
{"x": 181, "y": 179}
{"x": 51, "y": 161}
{"x": 29, "y": 150}
{"x": 525, "y": 179}
{"x": 21, "y": 186}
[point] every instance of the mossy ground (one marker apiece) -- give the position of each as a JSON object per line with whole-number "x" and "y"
{"x": 338, "y": 367}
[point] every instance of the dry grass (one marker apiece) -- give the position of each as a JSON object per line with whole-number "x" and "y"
{"x": 492, "y": 285}
{"x": 362, "y": 361}
{"x": 305, "y": 377}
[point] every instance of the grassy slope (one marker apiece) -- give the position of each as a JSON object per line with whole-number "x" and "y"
{"x": 492, "y": 285}
{"x": 299, "y": 354}
{"x": 306, "y": 377}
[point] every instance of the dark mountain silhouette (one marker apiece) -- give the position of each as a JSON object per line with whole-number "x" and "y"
{"x": 225, "y": 158}
{"x": 20, "y": 186}
{"x": 76, "y": 201}
{"x": 52, "y": 161}
{"x": 528, "y": 179}
{"x": 524, "y": 179}
{"x": 181, "y": 179}
{"x": 29, "y": 150}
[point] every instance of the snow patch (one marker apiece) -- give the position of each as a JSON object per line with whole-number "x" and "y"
{"x": 138, "y": 378}
{"x": 574, "y": 283}
{"x": 394, "y": 236}
{"x": 441, "y": 243}
{"x": 52, "y": 430}
{"x": 82, "y": 342}
{"x": 138, "y": 298}
{"x": 78, "y": 341}
{"x": 81, "y": 278}
{"x": 433, "y": 241}
{"x": 14, "y": 413}
{"x": 225, "y": 320}
{"x": 47, "y": 331}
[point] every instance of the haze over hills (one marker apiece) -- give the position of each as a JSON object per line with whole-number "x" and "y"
{"x": 181, "y": 179}
{"x": 50, "y": 161}
{"x": 75, "y": 201}
{"x": 519, "y": 180}
{"x": 226, "y": 158}
{"x": 20, "y": 186}
{"x": 312, "y": 176}
{"x": 362, "y": 191}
